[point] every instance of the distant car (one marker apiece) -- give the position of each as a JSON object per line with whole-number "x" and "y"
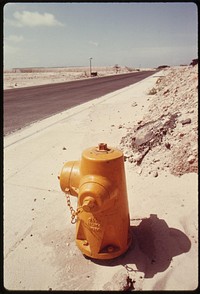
{"x": 162, "y": 66}
{"x": 94, "y": 74}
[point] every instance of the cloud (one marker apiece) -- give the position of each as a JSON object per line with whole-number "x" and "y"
{"x": 34, "y": 19}
{"x": 94, "y": 43}
{"x": 14, "y": 38}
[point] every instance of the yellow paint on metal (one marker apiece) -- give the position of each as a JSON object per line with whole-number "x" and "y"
{"x": 98, "y": 181}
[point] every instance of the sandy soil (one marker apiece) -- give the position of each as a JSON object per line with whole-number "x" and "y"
{"x": 155, "y": 124}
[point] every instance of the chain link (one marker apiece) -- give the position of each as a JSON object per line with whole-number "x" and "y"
{"x": 74, "y": 212}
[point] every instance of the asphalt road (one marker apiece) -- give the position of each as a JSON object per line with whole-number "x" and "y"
{"x": 24, "y": 106}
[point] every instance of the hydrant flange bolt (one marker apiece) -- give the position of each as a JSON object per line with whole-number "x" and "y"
{"x": 110, "y": 249}
{"x": 85, "y": 242}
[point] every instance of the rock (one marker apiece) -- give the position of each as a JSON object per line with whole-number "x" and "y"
{"x": 166, "y": 92}
{"x": 181, "y": 135}
{"x": 156, "y": 160}
{"x": 153, "y": 91}
{"x": 141, "y": 156}
{"x": 139, "y": 171}
{"x": 166, "y": 164}
{"x": 130, "y": 159}
{"x": 128, "y": 145}
{"x": 134, "y": 104}
{"x": 191, "y": 159}
{"x": 165, "y": 108}
{"x": 128, "y": 153}
{"x": 154, "y": 173}
{"x": 186, "y": 121}
{"x": 167, "y": 145}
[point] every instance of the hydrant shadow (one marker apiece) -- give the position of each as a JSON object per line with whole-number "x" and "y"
{"x": 153, "y": 246}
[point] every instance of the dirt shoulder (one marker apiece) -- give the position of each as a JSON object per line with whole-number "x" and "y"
{"x": 166, "y": 138}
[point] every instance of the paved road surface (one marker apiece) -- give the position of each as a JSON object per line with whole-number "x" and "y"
{"x": 24, "y": 106}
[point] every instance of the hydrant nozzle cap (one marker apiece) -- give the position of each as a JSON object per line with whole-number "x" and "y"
{"x": 88, "y": 204}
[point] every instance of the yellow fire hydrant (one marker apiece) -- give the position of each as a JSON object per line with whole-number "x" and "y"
{"x": 102, "y": 215}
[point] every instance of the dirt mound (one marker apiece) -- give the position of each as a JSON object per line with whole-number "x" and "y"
{"x": 167, "y": 136}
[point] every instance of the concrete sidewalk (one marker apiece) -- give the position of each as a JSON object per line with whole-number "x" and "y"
{"x": 39, "y": 239}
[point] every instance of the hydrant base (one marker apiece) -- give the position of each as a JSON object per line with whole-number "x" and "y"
{"x": 109, "y": 253}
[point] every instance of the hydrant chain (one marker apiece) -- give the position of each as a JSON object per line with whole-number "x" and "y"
{"x": 73, "y": 212}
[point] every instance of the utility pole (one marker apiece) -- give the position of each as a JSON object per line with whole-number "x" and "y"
{"x": 90, "y": 65}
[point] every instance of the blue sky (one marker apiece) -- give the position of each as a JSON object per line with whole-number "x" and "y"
{"x": 127, "y": 34}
